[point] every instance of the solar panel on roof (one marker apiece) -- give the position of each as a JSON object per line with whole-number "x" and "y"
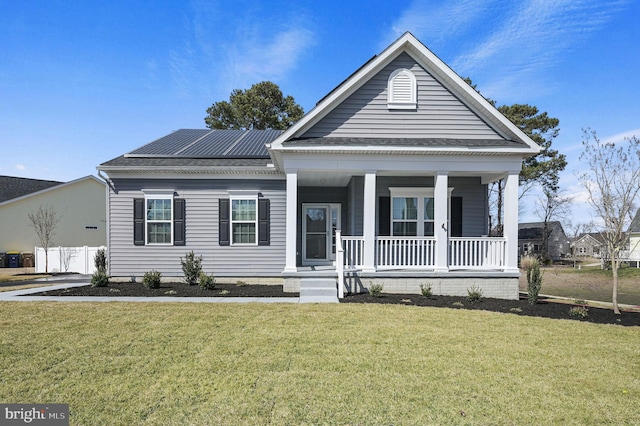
{"x": 206, "y": 143}
{"x": 212, "y": 145}
{"x": 253, "y": 144}
{"x": 170, "y": 144}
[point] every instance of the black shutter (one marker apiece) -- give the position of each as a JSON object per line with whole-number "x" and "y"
{"x": 223, "y": 222}
{"x": 384, "y": 216}
{"x": 179, "y": 233}
{"x": 456, "y": 216}
{"x": 138, "y": 221}
{"x": 264, "y": 222}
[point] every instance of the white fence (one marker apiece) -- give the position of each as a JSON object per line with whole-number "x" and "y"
{"x": 67, "y": 259}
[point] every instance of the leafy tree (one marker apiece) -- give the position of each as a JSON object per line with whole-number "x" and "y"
{"x": 44, "y": 221}
{"x": 542, "y": 169}
{"x": 612, "y": 180}
{"x": 263, "y": 106}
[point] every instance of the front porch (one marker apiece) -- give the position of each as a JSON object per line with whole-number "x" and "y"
{"x": 403, "y": 265}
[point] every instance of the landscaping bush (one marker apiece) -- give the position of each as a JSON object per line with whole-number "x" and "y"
{"x": 207, "y": 282}
{"x": 426, "y": 290}
{"x": 151, "y": 279}
{"x": 534, "y": 282}
{"x": 376, "y": 290}
{"x": 474, "y": 294}
{"x": 99, "y": 279}
{"x": 100, "y": 261}
{"x": 192, "y": 268}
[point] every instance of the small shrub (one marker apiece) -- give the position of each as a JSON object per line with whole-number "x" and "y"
{"x": 426, "y": 290}
{"x": 207, "y": 282}
{"x": 151, "y": 279}
{"x": 100, "y": 261}
{"x": 474, "y": 294}
{"x": 376, "y": 290}
{"x": 192, "y": 268}
{"x": 224, "y": 292}
{"x": 114, "y": 290}
{"x": 515, "y": 310}
{"x": 579, "y": 311}
{"x": 534, "y": 281}
{"x": 99, "y": 279}
{"x": 458, "y": 304}
{"x": 170, "y": 292}
{"x": 241, "y": 283}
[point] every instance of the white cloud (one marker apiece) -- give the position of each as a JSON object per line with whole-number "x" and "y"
{"x": 225, "y": 49}
{"x": 510, "y": 44}
{"x": 21, "y": 167}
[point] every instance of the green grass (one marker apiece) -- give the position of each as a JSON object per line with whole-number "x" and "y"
{"x": 228, "y": 364}
{"x": 592, "y": 283}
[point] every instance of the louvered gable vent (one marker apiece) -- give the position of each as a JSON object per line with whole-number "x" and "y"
{"x": 401, "y": 90}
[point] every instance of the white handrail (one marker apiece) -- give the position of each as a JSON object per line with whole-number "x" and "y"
{"x": 340, "y": 264}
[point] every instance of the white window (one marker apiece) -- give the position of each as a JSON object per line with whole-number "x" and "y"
{"x": 412, "y": 211}
{"x": 159, "y": 220}
{"x": 244, "y": 221}
{"x": 401, "y": 90}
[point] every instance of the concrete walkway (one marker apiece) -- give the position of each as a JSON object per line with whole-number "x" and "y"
{"x": 78, "y": 281}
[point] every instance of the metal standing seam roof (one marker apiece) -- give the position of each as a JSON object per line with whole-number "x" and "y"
{"x": 207, "y": 143}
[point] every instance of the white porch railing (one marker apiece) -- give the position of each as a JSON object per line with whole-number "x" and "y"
{"x": 419, "y": 252}
{"x": 405, "y": 252}
{"x": 477, "y": 253}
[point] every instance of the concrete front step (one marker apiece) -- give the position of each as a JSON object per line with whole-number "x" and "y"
{"x": 318, "y": 290}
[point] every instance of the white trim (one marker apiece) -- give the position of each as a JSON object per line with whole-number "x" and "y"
{"x": 395, "y": 100}
{"x": 243, "y": 196}
{"x": 291, "y": 221}
{"x": 157, "y": 195}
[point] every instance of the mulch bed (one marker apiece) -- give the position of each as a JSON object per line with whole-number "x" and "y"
{"x": 172, "y": 289}
{"x": 544, "y": 308}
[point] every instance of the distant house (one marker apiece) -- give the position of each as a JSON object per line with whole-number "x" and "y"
{"x": 385, "y": 181}
{"x": 531, "y": 240}
{"x": 80, "y": 204}
{"x": 589, "y": 245}
{"x": 634, "y": 237}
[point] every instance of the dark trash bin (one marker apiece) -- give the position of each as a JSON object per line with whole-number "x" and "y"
{"x": 14, "y": 260}
{"x": 27, "y": 260}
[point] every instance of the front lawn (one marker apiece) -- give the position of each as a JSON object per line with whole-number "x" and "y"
{"x": 175, "y": 364}
{"x": 591, "y": 283}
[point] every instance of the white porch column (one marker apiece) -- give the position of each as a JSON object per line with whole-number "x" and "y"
{"x": 440, "y": 223}
{"x": 369, "y": 221}
{"x": 510, "y": 230}
{"x": 292, "y": 219}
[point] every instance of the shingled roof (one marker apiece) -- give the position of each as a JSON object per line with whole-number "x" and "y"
{"x": 635, "y": 223}
{"x": 14, "y": 187}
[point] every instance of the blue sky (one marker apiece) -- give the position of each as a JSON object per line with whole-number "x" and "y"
{"x": 82, "y": 82}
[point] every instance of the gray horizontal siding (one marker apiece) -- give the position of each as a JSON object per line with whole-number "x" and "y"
{"x": 439, "y": 113}
{"x": 201, "y": 197}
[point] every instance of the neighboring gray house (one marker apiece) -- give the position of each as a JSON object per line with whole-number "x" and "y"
{"x": 531, "y": 240}
{"x": 634, "y": 239}
{"x": 589, "y": 245}
{"x": 384, "y": 181}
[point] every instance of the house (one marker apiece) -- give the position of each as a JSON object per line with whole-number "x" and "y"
{"x": 80, "y": 204}
{"x": 383, "y": 182}
{"x": 589, "y": 245}
{"x": 634, "y": 239}
{"x": 531, "y": 240}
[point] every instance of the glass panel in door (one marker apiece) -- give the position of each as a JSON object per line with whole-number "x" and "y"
{"x": 315, "y": 236}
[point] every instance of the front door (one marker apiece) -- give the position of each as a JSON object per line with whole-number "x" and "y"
{"x": 320, "y": 222}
